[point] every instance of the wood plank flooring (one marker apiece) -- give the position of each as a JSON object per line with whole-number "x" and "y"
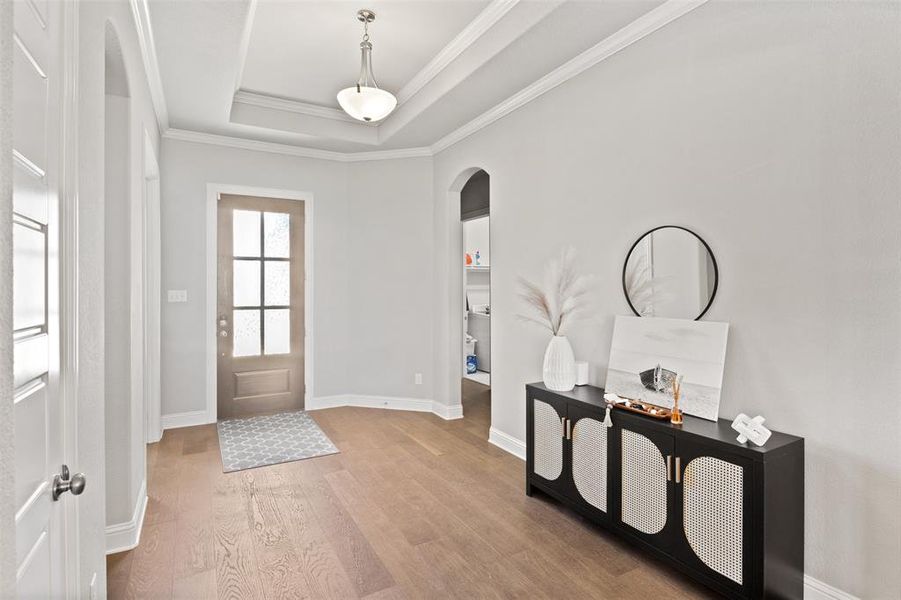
{"x": 412, "y": 507}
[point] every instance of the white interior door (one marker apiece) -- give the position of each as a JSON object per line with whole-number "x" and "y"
{"x": 39, "y": 433}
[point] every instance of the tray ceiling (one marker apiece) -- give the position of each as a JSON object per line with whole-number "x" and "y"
{"x": 308, "y": 51}
{"x": 268, "y": 70}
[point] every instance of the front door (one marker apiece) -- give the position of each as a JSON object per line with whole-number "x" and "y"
{"x": 38, "y": 408}
{"x": 260, "y": 313}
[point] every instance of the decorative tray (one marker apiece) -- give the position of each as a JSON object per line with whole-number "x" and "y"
{"x": 643, "y": 408}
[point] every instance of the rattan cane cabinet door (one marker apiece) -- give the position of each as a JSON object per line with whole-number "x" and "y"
{"x": 714, "y": 507}
{"x": 645, "y": 481}
{"x": 589, "y": 459}
{"x": 547, "y": 440}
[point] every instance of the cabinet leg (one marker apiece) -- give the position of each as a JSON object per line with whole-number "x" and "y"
{"x": 528, "y": 489}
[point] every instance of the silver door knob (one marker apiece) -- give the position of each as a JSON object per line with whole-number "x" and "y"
{"x": 62, "y": 483}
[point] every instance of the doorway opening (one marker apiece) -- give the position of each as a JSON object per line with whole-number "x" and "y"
{"x": 475, "y": 227}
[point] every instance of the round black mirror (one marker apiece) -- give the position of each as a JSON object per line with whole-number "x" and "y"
{"x": 670, "y": 272}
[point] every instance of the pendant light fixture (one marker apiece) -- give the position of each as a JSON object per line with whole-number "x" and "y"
{"x": 365, "y": 101}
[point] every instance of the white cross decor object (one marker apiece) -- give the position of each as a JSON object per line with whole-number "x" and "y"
{"x": 751, "y": 429}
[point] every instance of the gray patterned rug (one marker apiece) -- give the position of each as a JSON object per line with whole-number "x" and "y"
{"x": 271, "y": 439}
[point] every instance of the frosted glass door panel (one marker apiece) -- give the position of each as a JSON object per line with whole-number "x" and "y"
{"x": 278, "y": 283}
{"x": 276, "y": 235}
{"x": 246, "y": 233}
{"x": 278, "y": 331}
{"x": 247, "y": 333}
{"x": 246, "y": 283}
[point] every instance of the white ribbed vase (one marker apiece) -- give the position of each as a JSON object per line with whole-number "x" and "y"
{"x": 559, "y": 365}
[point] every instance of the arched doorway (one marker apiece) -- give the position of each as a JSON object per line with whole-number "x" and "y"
{"x": 468, "y": 300}
{"x": 475, "y": 209}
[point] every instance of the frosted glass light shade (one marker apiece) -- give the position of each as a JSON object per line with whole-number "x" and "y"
{"x": 367, "y": 103}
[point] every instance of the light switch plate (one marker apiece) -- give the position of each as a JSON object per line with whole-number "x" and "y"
{"x": 178, "y": 295}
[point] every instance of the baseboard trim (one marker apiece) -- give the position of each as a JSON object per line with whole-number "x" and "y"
{"x": 507, "y": 442}
{"x": 814, "y": 589}
{"x": 125, "y": 536}
{"x": 446, "y": 412}
{"x": 185, "y": 419}
{"x": 386, "y": 402}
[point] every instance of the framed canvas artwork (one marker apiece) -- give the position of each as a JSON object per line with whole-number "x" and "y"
{"x": 647, "y": 354}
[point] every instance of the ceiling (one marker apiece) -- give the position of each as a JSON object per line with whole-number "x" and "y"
{"x": 308, "y": 51}
{"x": 269, "y": 70}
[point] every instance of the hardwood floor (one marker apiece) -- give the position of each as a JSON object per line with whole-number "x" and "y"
{"x": 412, "y": 507}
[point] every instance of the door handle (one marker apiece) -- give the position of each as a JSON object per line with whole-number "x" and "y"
{"x": 678, "y": 469}
{"x": 62, "y": 483}
{"x": 569, "y": 431}
{"x": 669, "y": 461}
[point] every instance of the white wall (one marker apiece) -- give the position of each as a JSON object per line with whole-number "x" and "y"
{"x": 117, "y": 304}
{"x": 475, "y": 237}
{"x": 389, "y": 287}
{"x": 90, "y": 393}
{"x": 771, "y": 129}
{"x": 185, "y": 170}
{"x": 371, "y": 226}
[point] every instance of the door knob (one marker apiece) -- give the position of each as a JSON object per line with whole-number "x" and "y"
{"x": 62, "y": 483}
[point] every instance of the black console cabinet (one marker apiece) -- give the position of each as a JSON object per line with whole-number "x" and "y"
{"x": 729, "y": 515}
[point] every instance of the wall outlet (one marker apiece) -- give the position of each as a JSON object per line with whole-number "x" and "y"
{"x": 417, "y": 379}
{"x": 178, "y": 295}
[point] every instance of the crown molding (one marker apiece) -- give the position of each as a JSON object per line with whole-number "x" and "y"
{"x": 639, "y": 28}
{"x": 484, "y": 21}
{"x": 198, "y": 137}
{"x": 140, "y": 10}
{"x": 419, "y": 152}
{"x": 295, "y": 106}
{"x": 185, "y": 135}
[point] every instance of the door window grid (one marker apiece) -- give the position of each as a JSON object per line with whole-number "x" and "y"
{"x": 271, "y": 247}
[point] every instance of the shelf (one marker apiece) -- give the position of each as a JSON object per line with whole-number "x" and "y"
{"x": 477, "y": 267}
